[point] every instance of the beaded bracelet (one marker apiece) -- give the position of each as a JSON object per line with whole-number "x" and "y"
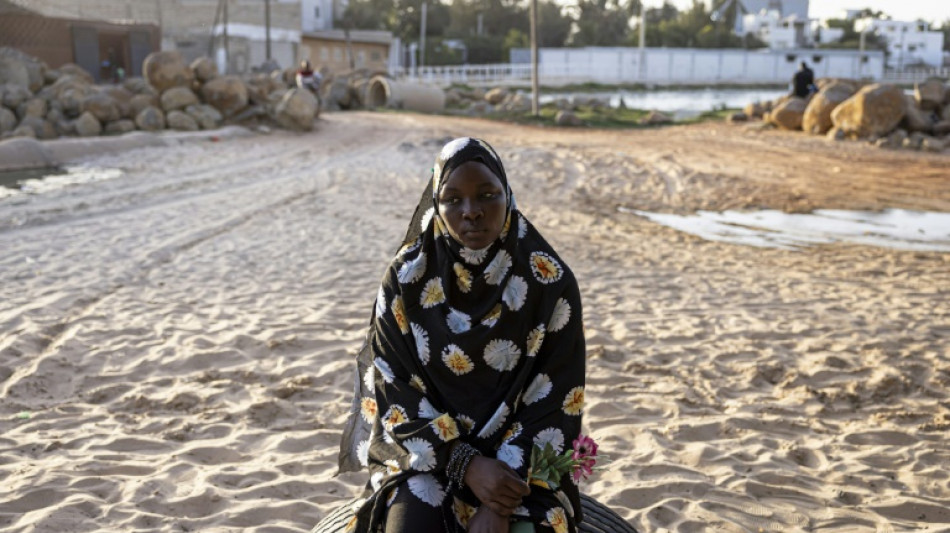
{"x": 461, "y": 456}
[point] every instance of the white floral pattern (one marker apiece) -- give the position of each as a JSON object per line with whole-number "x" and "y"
{"x": 496, "y": 270}
{"x": 432, "y": 294}
{"x": 411, "y": 271}
{"x": 560, "y": 316}
{"x": 515, "y": 293}
{"x": 495, "y": 422}
{"x": 538, "y": 390}
{"x": 552, "y": 436}
{"x": 511, "y": 455}
{"x": 473, "y": 257}
{"x": 422, "y": 343}
{"x": 535, "y": 338}
{"x": 458, "y": 321}
{"x": 502, "y": 355}
{"x": 421, "y": 454}
{"x": 427, "y": 488}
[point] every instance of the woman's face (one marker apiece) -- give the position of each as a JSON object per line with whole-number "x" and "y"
{"x": 472, "y": 203}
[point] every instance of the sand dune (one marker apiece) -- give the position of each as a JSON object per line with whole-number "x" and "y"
{"x": 176, "y": 343}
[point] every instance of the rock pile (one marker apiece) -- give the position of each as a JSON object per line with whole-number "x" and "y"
{"x": 879, "y": 113}
{"x": 478, "y": 101}
{"x": 44, "y": 103}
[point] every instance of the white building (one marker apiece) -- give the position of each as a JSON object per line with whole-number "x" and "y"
{"x": 909, "y": 44}
{"x": 318, "y": 15}
{"x": 777, "y": 30}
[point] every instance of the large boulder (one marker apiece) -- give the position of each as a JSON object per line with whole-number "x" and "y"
{"x": 655, "y": 118}
{"x": 87, "y": 125}
{"x": 789, "y": 114}
{"x": 141, "y": 101}
{"x": 102, "y": 107}
{"x": 21, "y": 69}
{"x": 297, "y": 110}
{"x": 118, "y": 127}
{"x": 179, "y": 120}
{"x": 754, "y": 110}
{"x": 122, "y": 98}
{"x": 42, "y": 129}
{"x": 817, "y": 118}
{"x": 227, "y": 94}
{"x": 517, "y": 103}
{"x": 7, "y": 120}
{"x": 567, "y": 118}
{"x": 496, "y": 95}
{"x": 150, "y": 119}
{"x": 875, "y": 110}
{"x": 942, "y": 128}
{"x": 139, "y": 85}
{"x": 930, "y": 94}
{"x": 178, "y": 98}
{"x": 915, "y": 119}
{"x": 34, "y": 107}
{"x": 12, "y": 95}
{"x": 72, "y": 69}
{"x": 206, "y": 116}
{"x": 165, "y": 70}
{"x": 204, "y": 69}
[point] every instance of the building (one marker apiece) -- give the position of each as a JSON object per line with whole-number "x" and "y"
{"x": 785, "y": 8}
{"x": 198, "y": 27}
{"x": 909, "y": 44}
{"x": 366, "y": 49}
{"x": 777, "y": 30}
{"x": 101, "y": 48}
{"x": 319, "y": 15}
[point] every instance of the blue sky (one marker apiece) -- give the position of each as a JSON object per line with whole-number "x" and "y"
{"x": 929, "y": 10}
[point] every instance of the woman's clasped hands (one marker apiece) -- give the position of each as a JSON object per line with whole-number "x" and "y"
{"x": 500, "y": 490}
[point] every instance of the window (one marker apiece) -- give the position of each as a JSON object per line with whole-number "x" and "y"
{"x": 337, "y": 54}
{"x": 324, "y": 54}
{"x": 817, "y": 59}
{"x": 790, "y": 58}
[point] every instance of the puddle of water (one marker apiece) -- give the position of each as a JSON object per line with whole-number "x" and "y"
{"x": 683, "y": 103}
{"x": 39, "y": 181}
{"x": 893, "y": 228}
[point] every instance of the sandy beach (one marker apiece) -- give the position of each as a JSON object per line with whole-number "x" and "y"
{"x": 176, "y": 342}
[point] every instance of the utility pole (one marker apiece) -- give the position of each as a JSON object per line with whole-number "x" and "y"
{"x": 643, "y": 40}
{"x": 422, "y": 37}
{"x": 227, "y": 52}
{"x": 267, "y": 27}
{"x": 535, "y": 108}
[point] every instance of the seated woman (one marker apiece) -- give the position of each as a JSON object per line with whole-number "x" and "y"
{"x": 475, "y": 354}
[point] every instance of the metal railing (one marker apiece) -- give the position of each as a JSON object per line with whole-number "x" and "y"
{"x": 914, "y": 76}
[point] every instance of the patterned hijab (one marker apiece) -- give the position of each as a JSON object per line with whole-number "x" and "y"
{"x": 485, "y": 346}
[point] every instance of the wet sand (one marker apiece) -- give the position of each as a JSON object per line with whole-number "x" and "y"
{"x": 176, "y": 343}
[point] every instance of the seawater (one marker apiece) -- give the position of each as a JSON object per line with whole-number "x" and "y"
{"x": 38, "y": 181}
{"x": 681, "y": 103}
{"x": 892, "y": 228}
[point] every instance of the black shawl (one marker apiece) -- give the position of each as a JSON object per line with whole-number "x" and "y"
{"x": 486, "y": 346}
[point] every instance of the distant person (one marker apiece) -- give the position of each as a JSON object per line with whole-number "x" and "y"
{"x": 803, "y": 83}
{"x": 309, "y": 79}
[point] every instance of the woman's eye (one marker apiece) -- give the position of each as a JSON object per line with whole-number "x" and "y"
{"x": 450, "y": 201}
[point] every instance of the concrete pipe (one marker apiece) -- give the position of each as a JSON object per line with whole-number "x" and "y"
{"x": 413, "y": 96}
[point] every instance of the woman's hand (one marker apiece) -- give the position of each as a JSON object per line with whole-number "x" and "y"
{"x": 496, "y": 485}
{"x": 487, "y": 521}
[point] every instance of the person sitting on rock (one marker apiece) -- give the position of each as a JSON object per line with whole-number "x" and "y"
{"x": 803, "y": 83}
{"x": 309, "y": 79}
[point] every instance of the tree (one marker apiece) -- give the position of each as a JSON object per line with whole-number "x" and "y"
{"x": 602, "y": 22}
{"x": 554, "y": 25}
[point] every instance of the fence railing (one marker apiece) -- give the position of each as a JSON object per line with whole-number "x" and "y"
{"x": 914, "y": 76}
{"x": 557, "y": 73}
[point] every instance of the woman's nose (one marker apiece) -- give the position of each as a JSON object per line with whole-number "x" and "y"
{"x": 471, "y": 210}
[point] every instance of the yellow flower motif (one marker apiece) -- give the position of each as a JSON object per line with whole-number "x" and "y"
{"x": 351, "y": 525}
{"x": 417, "y": 383}
{"x": 545, "y": 268}
{"x": 463, "y": 512}
{"x": 395, "y": 416}
{"x": 557, "y": 520}
{"x": 368, "y": 409}
{"x": 392, "y": 467}
{"x": 463, "y": 277}
{"x": 399, "y": 313}
{"x": 445, "y": 427}
{"x": 542, "y": 484}
{"x": 456, "y": 360}
{"x": 534, "y": 340}
{"x": 574, "y": 401}
{"x": 432, "y": 294}
{"x": 504, "y": 230}
{"x": 512, "y": 432}
{"x": 492, "y": 317}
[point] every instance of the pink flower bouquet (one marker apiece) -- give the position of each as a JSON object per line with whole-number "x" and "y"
{"x": 547, "y": 467}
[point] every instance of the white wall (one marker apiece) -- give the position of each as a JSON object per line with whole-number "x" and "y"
{"x": 698, "y": 66}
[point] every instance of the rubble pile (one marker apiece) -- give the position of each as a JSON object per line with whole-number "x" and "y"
{"x": 40, "y": 102}
{"x": 881, "y": 114}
